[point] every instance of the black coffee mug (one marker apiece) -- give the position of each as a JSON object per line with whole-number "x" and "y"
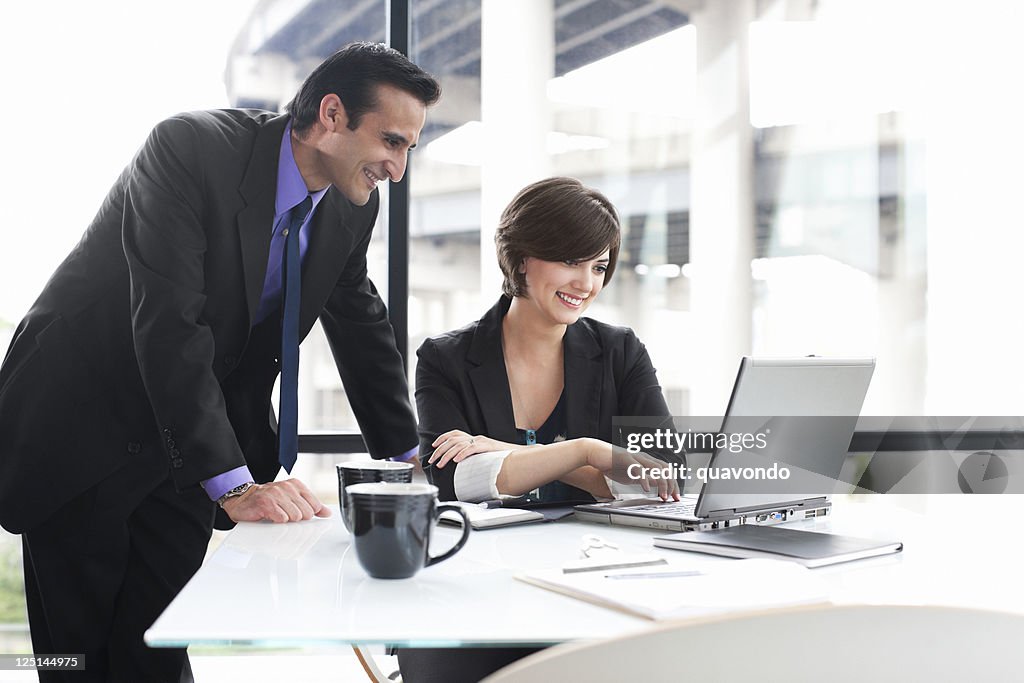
{"x": 392, "y": 525}
{"x": 368, "y": 471}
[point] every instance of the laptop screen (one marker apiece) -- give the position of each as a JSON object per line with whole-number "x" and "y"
{"x": 805, "y": 411}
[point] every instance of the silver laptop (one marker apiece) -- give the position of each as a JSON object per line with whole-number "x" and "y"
{"x": 806, "y": 410}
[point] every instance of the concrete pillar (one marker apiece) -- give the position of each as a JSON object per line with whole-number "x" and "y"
{"x": 722, "y": 203}
{"x": 517, "y": 60}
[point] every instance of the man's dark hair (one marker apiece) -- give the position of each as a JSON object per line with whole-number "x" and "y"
{"x": 556, "y": 219}
{"x": 353, "y": 74}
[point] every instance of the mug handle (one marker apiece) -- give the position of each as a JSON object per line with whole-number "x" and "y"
{"x": 461, "y": 542}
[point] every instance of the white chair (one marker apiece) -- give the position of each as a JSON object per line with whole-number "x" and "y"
{"x": 371, "y": 664}
{"x": 846, "y": 643}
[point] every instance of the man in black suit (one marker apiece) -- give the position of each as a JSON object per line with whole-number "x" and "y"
{"x": 135, "y": 396}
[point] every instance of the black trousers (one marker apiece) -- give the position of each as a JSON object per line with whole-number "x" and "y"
{"x": 102, "y": 569}
{"x": 456, "y": 665}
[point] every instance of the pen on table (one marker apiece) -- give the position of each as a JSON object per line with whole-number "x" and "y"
{"x": 654, "y": 575}
{"x": 490, "y": 504}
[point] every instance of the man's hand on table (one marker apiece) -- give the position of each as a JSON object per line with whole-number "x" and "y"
{"x": 280, "y": 501}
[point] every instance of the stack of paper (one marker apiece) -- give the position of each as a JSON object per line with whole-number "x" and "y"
{"x": 678, "y": 590}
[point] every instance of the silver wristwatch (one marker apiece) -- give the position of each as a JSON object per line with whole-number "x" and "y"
{"x": 237, "y": 491}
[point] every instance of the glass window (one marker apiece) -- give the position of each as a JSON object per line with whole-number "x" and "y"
{"x": 830, "y": 178}
{"x": 885, "y": 132}
{"x": 81, "y": 92}
{"x": 536, "y": 89}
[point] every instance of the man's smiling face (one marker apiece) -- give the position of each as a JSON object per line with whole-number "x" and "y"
{"x": 354, "y": 161}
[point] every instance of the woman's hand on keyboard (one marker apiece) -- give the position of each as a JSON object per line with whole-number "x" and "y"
{"x": 639, "y": 469}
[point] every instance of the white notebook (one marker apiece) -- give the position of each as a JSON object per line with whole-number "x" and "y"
{"x": 481, "y": 517}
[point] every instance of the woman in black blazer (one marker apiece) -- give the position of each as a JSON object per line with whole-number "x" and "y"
{"x": 523, "y": 399}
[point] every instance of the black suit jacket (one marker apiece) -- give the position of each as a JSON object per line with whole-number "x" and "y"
{"x": 138, "y": 348}
{"x": 461, "y": 383}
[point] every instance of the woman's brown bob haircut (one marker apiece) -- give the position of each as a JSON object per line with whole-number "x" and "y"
{"x": 556, "y": 219}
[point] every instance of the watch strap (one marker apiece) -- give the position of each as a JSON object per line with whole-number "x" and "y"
{"x": 235, "y": 492}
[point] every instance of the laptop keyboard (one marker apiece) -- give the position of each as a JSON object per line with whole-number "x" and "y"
{"x": 681, "y": 508}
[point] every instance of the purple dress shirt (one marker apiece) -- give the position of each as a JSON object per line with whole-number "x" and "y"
{"x": 291, "y": 191}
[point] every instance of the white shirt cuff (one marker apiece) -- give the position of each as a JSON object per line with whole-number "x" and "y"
{"x": 476, "y": 477}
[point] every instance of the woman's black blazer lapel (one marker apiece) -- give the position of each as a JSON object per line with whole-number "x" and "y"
{"x": 486, "y": 370}
{"x": 584, "y": 379}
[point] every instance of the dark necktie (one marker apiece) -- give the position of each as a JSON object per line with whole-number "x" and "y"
{"x": 288, "y": 409}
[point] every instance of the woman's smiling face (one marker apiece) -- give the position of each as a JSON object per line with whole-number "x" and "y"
{"x": 562, "y": 290}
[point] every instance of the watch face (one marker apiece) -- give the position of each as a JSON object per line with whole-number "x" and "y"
{"x": 237, "y": 491}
